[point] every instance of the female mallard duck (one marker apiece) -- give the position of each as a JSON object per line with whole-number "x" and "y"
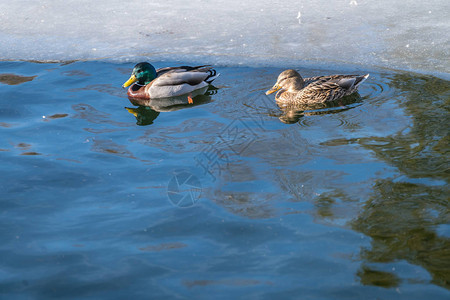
{"x": 148, "y": 83}
{"x": 293, "y": 89}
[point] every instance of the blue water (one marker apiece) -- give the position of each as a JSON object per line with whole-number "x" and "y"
{"x": 230, "y": 197}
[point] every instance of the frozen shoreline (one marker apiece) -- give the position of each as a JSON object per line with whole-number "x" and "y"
{"x": 404, "y": 36}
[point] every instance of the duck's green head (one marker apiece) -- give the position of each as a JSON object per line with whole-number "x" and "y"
{"x": 143, "y": 73}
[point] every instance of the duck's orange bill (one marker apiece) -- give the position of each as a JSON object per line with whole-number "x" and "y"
{"x": 130, "y": 81}
{"x": 273, "y": 89}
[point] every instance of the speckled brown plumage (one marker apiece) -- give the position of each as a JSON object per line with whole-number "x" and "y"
{"x": 293, "y": 89}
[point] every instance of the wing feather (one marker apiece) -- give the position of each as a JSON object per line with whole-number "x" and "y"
{"x": 184, "y": 75}
{"x": 175, "y": 78}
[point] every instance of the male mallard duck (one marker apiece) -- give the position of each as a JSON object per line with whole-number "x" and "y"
{"x": 148, "y": 83}
{"x": 293, "y": 89}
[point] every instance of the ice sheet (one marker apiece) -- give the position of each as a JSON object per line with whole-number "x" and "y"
{"x": 407, "y": 34}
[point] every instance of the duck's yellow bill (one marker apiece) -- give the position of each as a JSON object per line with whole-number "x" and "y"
{"x": 273, "y": 89}
{"x": 130, "y": 81}
{"x": 132, "y": 111}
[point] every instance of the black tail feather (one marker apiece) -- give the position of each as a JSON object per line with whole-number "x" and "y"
{"x": 212, "y": 75}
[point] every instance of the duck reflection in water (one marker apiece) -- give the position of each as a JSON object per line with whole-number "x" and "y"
{"x": 149, "y": 109}
{"x": 291, "y": 113}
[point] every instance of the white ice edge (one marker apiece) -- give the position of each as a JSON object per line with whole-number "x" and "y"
{"x": 404, "y": 35}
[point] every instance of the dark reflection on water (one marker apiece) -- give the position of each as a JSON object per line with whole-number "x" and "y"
{"x": 344, "y": 202}
{"x": 144, "y": 115}
{"x": 403, "y": 214}
{"x": 401, "y": 220}
{"x": 13, "y": 79}
{"x": 378, "y": 278}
